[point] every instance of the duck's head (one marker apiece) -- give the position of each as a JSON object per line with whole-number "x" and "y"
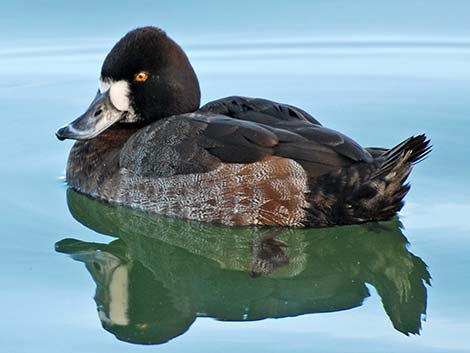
{"x": 145, "y": 77}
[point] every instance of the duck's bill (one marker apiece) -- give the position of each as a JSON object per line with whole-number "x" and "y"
{"x": 100, "y": 115}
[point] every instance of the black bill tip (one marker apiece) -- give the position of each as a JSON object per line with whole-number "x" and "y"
{"x": 61, "y": 134}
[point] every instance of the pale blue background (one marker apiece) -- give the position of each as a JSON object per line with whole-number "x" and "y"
{"x": 376, "y": 70}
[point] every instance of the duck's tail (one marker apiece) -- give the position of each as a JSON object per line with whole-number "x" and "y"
{"x": 367, "y": 192}
{"x": 388, "y": 182}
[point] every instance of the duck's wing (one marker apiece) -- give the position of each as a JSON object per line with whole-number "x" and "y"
{"x": 257, "y": 110}
{"x": 248, "y": 129}
{"x": 318, "y": 149}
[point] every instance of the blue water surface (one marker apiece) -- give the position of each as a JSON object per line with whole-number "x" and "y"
{"x": 378, "y": 72}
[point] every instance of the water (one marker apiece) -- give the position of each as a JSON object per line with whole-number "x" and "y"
{"x": 374, "y": 75}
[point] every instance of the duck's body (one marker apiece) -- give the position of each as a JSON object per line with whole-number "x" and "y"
{"x": 235, "y": 161}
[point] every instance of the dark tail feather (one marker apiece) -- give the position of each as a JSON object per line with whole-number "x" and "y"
{"x": 388, "y": 180}
{"x": 411, "y": 151}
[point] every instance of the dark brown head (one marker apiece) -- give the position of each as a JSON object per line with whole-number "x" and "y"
{"x": 145, "y": 77}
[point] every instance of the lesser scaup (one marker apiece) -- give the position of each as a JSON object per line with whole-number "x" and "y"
{"x": 144, "y": 142}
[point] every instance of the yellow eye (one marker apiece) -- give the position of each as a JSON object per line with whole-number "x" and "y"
{"x": 141, "y": 77}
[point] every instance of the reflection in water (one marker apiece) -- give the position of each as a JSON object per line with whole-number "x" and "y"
{"x": 162, "y": 273}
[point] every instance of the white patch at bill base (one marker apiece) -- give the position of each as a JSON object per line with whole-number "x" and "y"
{"x": 119, "y": 94}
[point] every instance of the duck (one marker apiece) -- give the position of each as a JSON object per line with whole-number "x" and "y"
{"x": 145, "y": 142}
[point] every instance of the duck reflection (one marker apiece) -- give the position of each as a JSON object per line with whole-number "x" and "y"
{"x": 160, "y": 274}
